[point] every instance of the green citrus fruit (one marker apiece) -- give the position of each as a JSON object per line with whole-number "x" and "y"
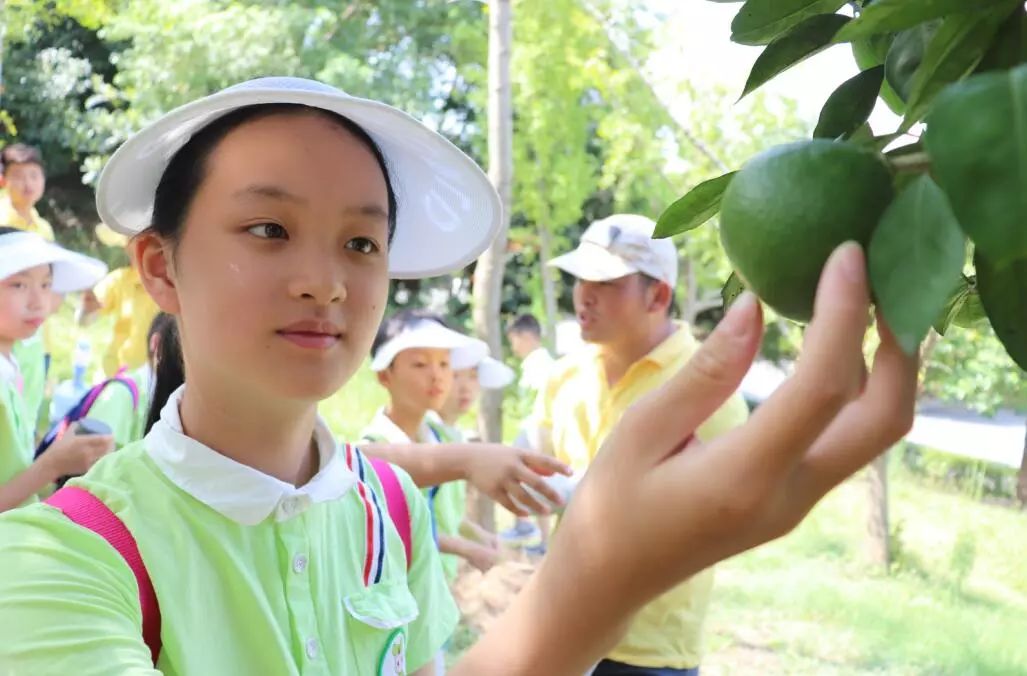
{"x": 790, "y": 207}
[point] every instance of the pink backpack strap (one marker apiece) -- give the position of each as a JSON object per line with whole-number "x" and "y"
{"x": 88, "y": 511}
{"x": 396, "y": 500}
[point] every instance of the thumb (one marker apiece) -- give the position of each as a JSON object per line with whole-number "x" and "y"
{"x": 662, "y": 421}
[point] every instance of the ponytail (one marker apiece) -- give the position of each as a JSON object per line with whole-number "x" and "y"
{"x": 169, "y": 372}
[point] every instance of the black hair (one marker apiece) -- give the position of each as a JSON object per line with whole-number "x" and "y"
{"x": 8, "y": 230}
{"x": 156, "y": 327}
{"x": 525, "y": 323}
{"x": 177, "y": 189}
{"x": 401, "y": 321}
{"x": 20, "y": 153}
{"x": 649, "y": 280}
{"x": 169, "y": 371}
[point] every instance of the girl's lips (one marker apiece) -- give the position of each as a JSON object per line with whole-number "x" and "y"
{"x": 34, "y": 323}
{"x": 311, "y": 340}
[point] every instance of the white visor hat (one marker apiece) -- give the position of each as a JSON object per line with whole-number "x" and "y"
{"x": 465, "y": 351}
{"x": 494, "y": 374}
{"x": 448, "y": 212}
{"x": 71, "y": 271}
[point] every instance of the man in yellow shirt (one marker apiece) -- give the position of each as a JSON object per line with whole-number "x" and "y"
{"x": 24, "y": 182}
{"x": 122, "y": 295}
{"x": 622, "y": 299}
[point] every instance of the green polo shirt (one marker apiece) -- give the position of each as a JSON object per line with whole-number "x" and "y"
{"x": 253, "y": 576}
{"x": 114, "y": 407}
{"x": 449, "y": 502}
{"x": 16, "y": 430}
{"x": 31, "y": 356}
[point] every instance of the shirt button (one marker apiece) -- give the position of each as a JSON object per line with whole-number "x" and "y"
{"x": 299, "y": 563}
{"x": 312, "y": 648}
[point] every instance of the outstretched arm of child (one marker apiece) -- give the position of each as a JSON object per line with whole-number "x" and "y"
{"x": 478, "y": 555}
{"x": 678, "y": 506}
{"x": 499, "y": 471}
{"x": 69, "y": 455}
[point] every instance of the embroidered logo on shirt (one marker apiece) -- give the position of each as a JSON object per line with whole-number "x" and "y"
{"x": 393, "y": 661}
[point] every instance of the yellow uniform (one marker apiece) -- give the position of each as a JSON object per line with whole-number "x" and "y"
{"x": 578, "y": 409}
{"x": 121, "y": 294}
{"x": 34, "y": 223}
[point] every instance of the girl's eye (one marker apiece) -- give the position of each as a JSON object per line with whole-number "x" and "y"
{"x": 362, "y": 245}
{"x": 268, "y": 231}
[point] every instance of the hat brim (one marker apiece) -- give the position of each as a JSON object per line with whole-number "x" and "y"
{"x": 465, "y": 351}
{"x": 494, "y": 374}
{"x": 71, "y": 271}
{"x": 593, "y": 264}
{"x": 448, "y": 212}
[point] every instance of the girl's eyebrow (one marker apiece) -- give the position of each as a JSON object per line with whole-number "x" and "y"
{"x": 276, "y": 192}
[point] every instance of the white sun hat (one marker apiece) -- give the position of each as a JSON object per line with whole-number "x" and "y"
{"x": 428, "y": 333}
{"x": 448, "y": 212}
{"x": 494, "y": 374}
{"x": 71, "y": 271}
{"x": 621, "y": 245}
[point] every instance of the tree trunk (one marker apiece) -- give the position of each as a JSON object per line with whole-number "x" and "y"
{"x": 1021, "y": 484}
{"x": 488, "y": 274}
{"x": 878, "y": 545}
{"x": 548, "y": 286}
{"x": 690, "y": 294}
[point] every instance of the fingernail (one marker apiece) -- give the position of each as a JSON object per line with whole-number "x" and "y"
{"x": 741, "y": 316}
{"x": 851, "y": 262}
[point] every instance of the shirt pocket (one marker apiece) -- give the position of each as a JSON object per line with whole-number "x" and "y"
{"x": 376, "y": 626}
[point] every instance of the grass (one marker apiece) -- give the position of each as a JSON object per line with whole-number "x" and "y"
{"x": 809, "y": 603}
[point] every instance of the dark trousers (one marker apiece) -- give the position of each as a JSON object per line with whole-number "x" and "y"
{"x": 611, "y": 668}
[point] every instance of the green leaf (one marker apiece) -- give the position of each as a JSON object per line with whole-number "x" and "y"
{"x": 1009, "y": 48}
{"x": 699, "y": 205}
{"x": 915, "y": 258}
{"x": 953, "y": 52}
{"x": 733, "y": 288}
{"x": 760, "y": 21}
{"x": 977, "y": 140}
{"x": 1004, "y": 295}
{"x": 811, "y": 36}
{"x": 972, "y": 311}
{"x": 886, "y": 16}
{"x": 850, "y": 105}
{"x": 953, "y": 306}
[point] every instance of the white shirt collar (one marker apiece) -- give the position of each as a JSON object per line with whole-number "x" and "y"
{"x": 382, "y": 426}
{"x": 8, "y": 369}
{"x": 238, "y": 491}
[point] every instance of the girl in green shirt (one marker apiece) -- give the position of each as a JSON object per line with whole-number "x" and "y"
{"x": 268, "y": 219}
{"x": 30, "y": 270}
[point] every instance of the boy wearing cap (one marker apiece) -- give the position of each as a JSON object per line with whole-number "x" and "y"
{"x": 414, "y": 356}
{"x": 623, "y": 293}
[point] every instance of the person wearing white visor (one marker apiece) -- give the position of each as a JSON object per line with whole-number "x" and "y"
{"x": 415, "y": 357}
{"x": 268, "y": 218}
{"x": 31, "y": 269}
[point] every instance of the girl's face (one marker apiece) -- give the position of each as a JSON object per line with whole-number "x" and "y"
{"x": 419, "y": 378}
{"x": 280, "y": 276}
{"x": 25, "y": 302}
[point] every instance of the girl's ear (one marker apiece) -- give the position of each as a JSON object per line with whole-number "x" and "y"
{"x": 383, "y": 377}
{"x": 151, "y": 256}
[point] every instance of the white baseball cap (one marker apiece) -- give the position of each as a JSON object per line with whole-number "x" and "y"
{"x": 621, "y": 245}
{"x": 492, "y": 373}
{"x": 448, "y": 212}
{"x": 428, "y": 333}
{"x": 71, "y": 271}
